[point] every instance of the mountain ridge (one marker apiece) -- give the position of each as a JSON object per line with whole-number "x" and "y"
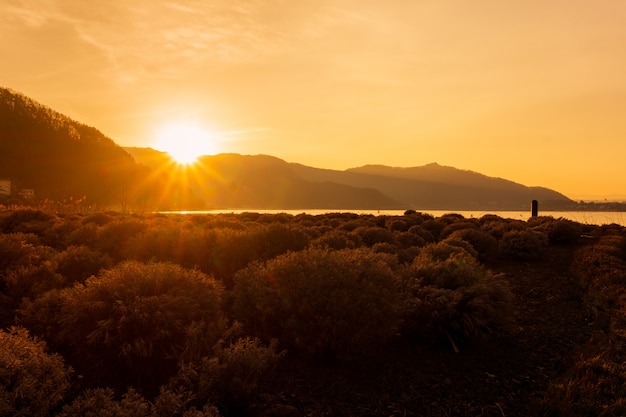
{"x": 65, "y": 160}
{"x": 406, "y": 188}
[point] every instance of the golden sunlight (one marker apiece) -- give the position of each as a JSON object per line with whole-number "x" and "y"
{"x": 185, "y": 142}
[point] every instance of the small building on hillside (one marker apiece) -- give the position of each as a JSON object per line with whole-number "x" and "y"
{"x": 26, "y": 193}
{"x": 5, "y": 186}
{"x": 10, "y": 188}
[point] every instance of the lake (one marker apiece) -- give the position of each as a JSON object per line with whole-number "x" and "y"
{"x": 585, "y": 217}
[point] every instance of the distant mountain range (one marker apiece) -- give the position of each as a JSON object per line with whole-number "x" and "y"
{"x": 63, "y": 159}
{"x": 262, "y": 181}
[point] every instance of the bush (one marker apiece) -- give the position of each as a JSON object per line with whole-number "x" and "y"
{"x": 523, "y": 244}
{"x": 32, "y": 381}
{"x": 409, "y": 240}
{"x": 453, "y": 296}
{"x": 370, "y": 236}
{"x": 17, "y": 249}
{"x": 441, "y": 251}
{"x": 497, "y": 226}
{"x": 26, "y": 221}
{"x": 434, "y": 227}
{"x": 128, "y": 325}
{"x": 560, "y": 231}
{"x": 59, "y": 235}
{"x": 101, "y": 402}
{"x": 398, "y": 225}
{"x": 276, "y": 239}
{"x": 458, "y": 226}
{"x": 113, "y": 237}
{"x": 166, "y": 243}
{"x": 336, "y": 239}
{"x": 458, "y": 315}
{"x": 86, "y": 234}
{"x": 458, "y": 269}
{"x": 42, "y": 317}
{"x": 77, "y": 263}
{"x": 321, "y": 301}
{"x": 424, "y": 234}
{"x": 232, "y": 377}
{"x": 485, "y": 245}
{"x": 31, "y": 281}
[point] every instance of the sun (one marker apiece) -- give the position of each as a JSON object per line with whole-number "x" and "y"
{"x": 185, "y": 141}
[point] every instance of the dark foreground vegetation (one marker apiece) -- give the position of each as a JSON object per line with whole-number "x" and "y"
{"x": 112, "y": 314}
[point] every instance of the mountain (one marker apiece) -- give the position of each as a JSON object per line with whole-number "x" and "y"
{"x": 64, "y": 160}
{"x": 60, "y": 158}
{"x": 440, "y": 187}
{"x": 261, "y": 181}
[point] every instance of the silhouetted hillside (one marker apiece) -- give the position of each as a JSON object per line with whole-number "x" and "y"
{"x": 437, "y": 187}
{"x": 59, "y": 157}
{"x": 261, "y": 181}
{"x": 434, "y": 186}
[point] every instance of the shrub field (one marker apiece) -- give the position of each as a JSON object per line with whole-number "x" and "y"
{"x": 153, "y": 315}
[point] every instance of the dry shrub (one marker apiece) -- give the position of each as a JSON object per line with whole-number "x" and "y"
{"x": 17, "y": 249}
{"x": 398, "y": 224}
{"x": 276, "y": 239}
{"x": 30, "y": 281}
{"x": 113, "y": 237}
{"x": 231, "y": 377}
{"x": 340, "y": 302}
{"x": 77, "y": 263}
{"x": 447, "y": 293}
{"x": 422, "y": 233}
{"x": 102, "y": 402}
{"x": 457, "y": 226}
{"x": 370, "y": 236}
{"x": 441, "y": 251}
{"x": 32, "y": 381}
{"x": 485, "y": 244}
{"x": 26, "y": 221}
{"x": 85, "y": 234}
{"x": 434, "y": 227}
{"x": 409, "y": 240}
{"x": 336, "y": 239}
{"x": 458, "y": 269}
{"x": 215, "y": 249}
{"x": 523, "y": 245}
{"x": 498, "y": 227}
{"x": 129, "y": 324}
{"x": 560, "y": 231}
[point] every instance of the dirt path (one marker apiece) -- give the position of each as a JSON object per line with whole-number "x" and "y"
{"x": 504, "y": 376}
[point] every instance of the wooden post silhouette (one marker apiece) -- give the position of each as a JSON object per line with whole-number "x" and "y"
{"x": 534, "y": 208}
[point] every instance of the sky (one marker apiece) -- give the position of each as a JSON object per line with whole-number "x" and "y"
{"x": 532, "y": 91}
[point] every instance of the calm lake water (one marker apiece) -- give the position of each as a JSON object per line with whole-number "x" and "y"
{"x": 585, "y": 217}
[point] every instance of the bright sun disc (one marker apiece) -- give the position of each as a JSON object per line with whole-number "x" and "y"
{"x": 184, "y": 142}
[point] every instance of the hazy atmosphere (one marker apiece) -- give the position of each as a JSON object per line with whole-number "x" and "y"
{"x": 530, "y": 91}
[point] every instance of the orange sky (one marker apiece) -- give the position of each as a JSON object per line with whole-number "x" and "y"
{"x": 532, "y": 91}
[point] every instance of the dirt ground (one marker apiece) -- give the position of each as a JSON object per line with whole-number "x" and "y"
{"x": 505, "y": 375}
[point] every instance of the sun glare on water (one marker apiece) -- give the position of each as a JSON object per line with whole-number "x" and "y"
{"x": 185, "y": 142}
